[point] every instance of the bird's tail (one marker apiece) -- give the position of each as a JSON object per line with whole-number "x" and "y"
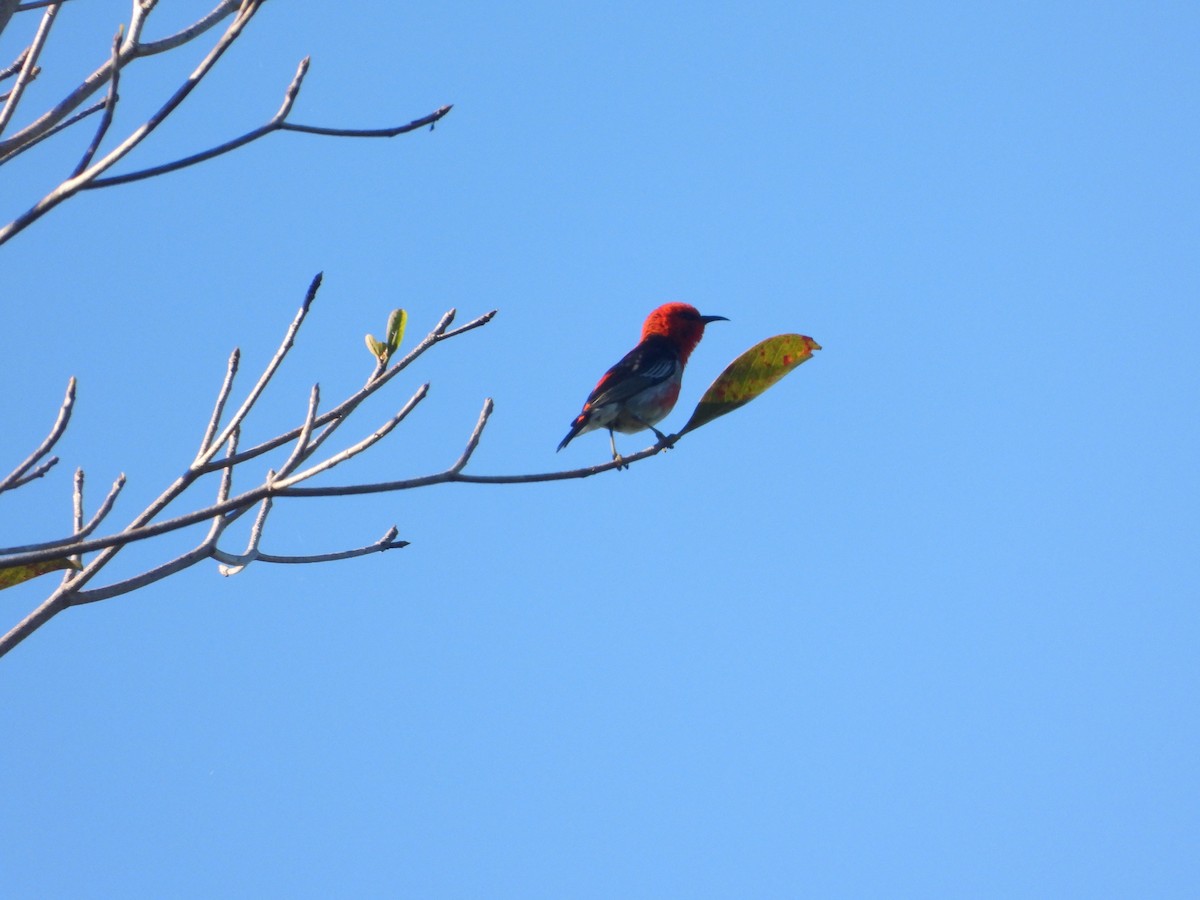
{"x": 577, "y": 426}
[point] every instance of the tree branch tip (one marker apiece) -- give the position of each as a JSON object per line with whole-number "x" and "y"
{"x": 313, "y": 287}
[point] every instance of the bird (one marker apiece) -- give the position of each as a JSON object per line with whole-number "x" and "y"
{"x": 641, "y": 389}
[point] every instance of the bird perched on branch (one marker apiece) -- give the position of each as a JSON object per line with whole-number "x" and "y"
{"x": 642, "y": 388}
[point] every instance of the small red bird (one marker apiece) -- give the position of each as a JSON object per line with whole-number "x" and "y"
{"x": 642, "y": 388}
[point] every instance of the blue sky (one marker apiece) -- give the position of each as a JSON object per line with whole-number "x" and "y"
{"x": 920, "y": 621}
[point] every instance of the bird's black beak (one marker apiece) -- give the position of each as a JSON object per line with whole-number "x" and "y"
{"x": 707, "y": 319}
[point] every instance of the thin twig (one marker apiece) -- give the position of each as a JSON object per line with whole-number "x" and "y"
{"x": 197, "y": 28}
{"x": 77, "y": 504}
{"x": 76, "y": 520}
{"x": 61, "y": 126}
{"x": 141, "y": 529}
{"x": 289, "y": 339}
{"x": 13, "y": 68}
{"x": 237, "y": 505}
{"x": 275, "y": 124}
{"x": 92, "y": 525}
{"x": 137, "y": 21}
{"x": 373, "y": 438}
{"x": 110, "y": 105}
{"x": 51, "y": 118}
{"x": 34, "y": 474}
{"x": 301, "y": 450}
{"x": 228, "y": 509}
{"x": 473, "y": 440}
{"x": 224, "y": 488}
{"x": 73, "y": 185}
{"x": 60, "y": 425}
{"x": 33, "y": 76}
{"x": 432, "y": 119}
{"x": 222, "y": 396}
{"x": 347, "y": 406}
{"x": 35, "y": 49}
{"x": 197, "y": 554}
{"x": 232, "y": 565}
{"x": 387, "y": 542}
{"x": 105, "y": 507}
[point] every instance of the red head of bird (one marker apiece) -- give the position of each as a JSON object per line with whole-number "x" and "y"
{"x": 680, "y": 323}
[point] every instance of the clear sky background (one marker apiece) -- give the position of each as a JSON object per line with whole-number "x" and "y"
{"x": 921, "y": 621}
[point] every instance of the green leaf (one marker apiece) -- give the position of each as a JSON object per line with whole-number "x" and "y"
{"x": 395, "y": 329}
{"x": 13, "y": 575}
{"x": 378, "y": 349}
{"x": 751, "y": 374}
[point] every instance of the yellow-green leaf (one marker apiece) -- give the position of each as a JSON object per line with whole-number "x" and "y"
{"x": 11, "y": 575}
{"x": 751, "y": 374}
{"x": 378, "y": 349}
{"x": 395, "y": 329}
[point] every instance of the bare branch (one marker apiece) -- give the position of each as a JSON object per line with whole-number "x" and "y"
{"x": 473, "y": 440}
{"x": 197, "y": 28}
{"x": 35, "y": 49}
{"x": 16, "y": 479}
{"x": 301, "y": 450}
{"x": 198, "y": 554}
{"x": 432, "y": 119}
{"x": 17, "y": 64}
{"x": 110, "y": 105}
{"x": 219, "y": 521}
{"x": 61, "y": 126}
{"x": 222, "y": 397}
{"x": 387, "y": 542}
{"x": 449, "y": 476}
{"x": 33, "y": 76}
{"x": 105, "y": 507}
{"x": 137, "y": 21}
{"x": 73, "y": 185}
{"x": 276, "y": 123}
{"x": 77, "y": 496}
{"x": 351, "y": 403}
{"x": 379, "y": 434}
{"x": 272, "y": 367}
{"x": 100, "y": 77}
{"x": 293, "y": 90}
{"x": 232, "y": 565}
{"x": 229, "y": 508}
{"x": 470, "y": 326}
{"x": 34, "y": 474}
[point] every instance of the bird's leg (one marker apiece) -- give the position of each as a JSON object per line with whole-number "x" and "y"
{"x": 612, "y": 440}
{"x": 662, "y": 438}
